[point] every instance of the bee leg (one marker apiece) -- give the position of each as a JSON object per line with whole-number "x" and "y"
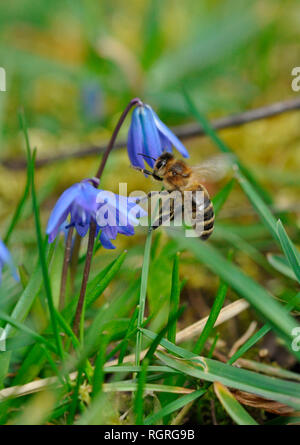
{"x": 147, "y": 172}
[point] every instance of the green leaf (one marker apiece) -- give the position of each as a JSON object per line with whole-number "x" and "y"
{"x": 174, "y": 299}
{"x": 96, "y": 286}
{"x": 21, "y": 203}
{"x": 138, "y": 400}
{"x": 98, "y": 377}
{"x": 143, "y": 292}
{"x": 29, "y": 294}
{"x": 232, "y": 406}
{"x": 23, "y": 328}
{"x": 261, "y": 208}
{"x": 174, "y": 406}
{"x": 213, "y": 315}
{"x": 289, "y": 250}
{"x": 281, "y": 264}
{"x": 41, "y": 244}
{"x": 181, "y": 352}
{"x": 130, "y": 329}
{"x": 261, "y": 333}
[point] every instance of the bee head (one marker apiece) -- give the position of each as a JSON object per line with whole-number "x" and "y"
{"x": 162, "y": 163}
{"x": 177, "y": 175}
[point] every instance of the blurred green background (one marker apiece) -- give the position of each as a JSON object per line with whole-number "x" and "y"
{"x": 74, "y": 65}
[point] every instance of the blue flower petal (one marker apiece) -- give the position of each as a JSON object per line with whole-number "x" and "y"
{"x": 4, "y": 253}
{"x": 87, "y": 197}
{"x": 135, "y": 141}
{"x": 105, "y": 241}
{"x": 152, "y": 144}
{"x": 5, "y": 258}
{"x": 82, "y": 229}
{"x": 126, "y": 230}
{"x": 61, "y": 210}
{"x": 166, "y": 144}
{"x": 167, "y": 133}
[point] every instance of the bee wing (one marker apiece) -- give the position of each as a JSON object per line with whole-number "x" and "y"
{"x": 215, "y": 168}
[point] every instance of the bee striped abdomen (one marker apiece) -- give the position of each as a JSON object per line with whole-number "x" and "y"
{"x": 208, "y": 217}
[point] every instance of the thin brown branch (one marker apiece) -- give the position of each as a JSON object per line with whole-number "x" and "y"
{"x": 85, "y": 278}
{"x": 183, "y": 132}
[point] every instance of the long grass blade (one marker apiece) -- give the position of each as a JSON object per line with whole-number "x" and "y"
{"x": 214, "y": 371}
{"x": 174, "y": 299}
{"x": 143, "y": 292}
{"x": 41, "y": 245}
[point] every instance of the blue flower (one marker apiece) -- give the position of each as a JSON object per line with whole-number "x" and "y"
{"x": 78, "y": 201}
{"x": 84, "y": 203}
{"x": 116, "y": 214}
{"x": 150, "y": 136}
{"x": 5, "y": 258}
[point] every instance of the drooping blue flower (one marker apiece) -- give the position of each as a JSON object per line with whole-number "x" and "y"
{"x": 83, "y": 203}
{"x": 78, "y": 201}
{"x": 150, "y": 136}
{"x": 116, "y": 214}
{"x": 5, "y": 258}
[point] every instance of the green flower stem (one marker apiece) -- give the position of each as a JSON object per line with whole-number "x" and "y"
{"x": 143, "y": 292}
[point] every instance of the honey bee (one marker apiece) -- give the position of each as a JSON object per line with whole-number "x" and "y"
{"x": 176, "y": 175}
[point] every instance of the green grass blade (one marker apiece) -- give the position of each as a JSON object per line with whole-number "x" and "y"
{"x": 124, "y": 346}
{"x": 281, "y": 264}
{"x": 21, "y": 327}
{"x": 174, "y": 299}
{"x": 41, "y": 245}
{"x": 158, "y": 338}
{"x": 289, "y": 250}
{"x": 98, "y": 377}
{"x": 269, "y": 370}
{"x": 96, "y": 286}
{"x": 249, "y": 343}
{"x": 232, "y": 406}
{"x": 214, "y": 371}
{"x": 143, "y": 292}
{"x": 75, "y": 395}
{"x": 261, "y": 208}
{"x": 20, "y": 206}
{"x": 181, "y": 352}
{"x": 260, "y": 334}
{"x": 29, "y": 294}
{"x": 138, "y": 400}
{"x": 213, "y": 315}
{"x": 174, "y": 406}
{"x": 129, "y": 385}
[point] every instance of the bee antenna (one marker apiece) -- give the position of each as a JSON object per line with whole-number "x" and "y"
{"x": 146, "y": 156}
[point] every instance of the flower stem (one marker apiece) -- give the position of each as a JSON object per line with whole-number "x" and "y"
{"x": 143, "y": 293}
{"x": 74, "y": 261}
{"x": 85, "y": 277}
{"x": 64, "y": 274}
{"x": 131, "y": 104}
{"x": 93, "y": 227}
